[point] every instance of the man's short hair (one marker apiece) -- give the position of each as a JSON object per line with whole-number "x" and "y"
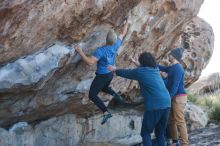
{"x": 146, "y": 59}
{"x": 111, "y": 37}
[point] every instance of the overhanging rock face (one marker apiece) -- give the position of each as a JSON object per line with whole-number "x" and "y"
{"x": 33, "y": 68}
{"x": 42, "y": 77}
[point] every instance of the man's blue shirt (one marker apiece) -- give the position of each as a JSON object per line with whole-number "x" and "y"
{"x": 151, "y": 84}
{"x": 175, "y": 79}
{"x": 106, "y": 56}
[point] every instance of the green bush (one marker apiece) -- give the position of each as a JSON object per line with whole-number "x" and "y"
{"x": 210, "y": 101}
{"x": 192, "y": 98}
{"x": 215, "y": 113}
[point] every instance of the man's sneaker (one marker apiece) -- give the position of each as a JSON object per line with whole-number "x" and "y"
{"x": 169, "y": 142}
{"x": 106, "y": 117}
{"x": 176, "y": 144}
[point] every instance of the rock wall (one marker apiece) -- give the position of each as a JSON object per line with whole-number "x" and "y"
{"x": 123, "y": 129}
{"x": 42, "y": 77}
{"x": 69, "y": 130}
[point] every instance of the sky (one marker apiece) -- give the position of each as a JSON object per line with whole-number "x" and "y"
{"x": 210, "y": 12}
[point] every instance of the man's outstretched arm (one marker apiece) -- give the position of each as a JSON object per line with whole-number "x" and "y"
{"x": 125, "y": 28}
{"x": 125, "y": 73}
{"x": 90, "y": 60}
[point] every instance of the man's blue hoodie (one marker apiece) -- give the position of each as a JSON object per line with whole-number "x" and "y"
{"x": 151, "y": 84}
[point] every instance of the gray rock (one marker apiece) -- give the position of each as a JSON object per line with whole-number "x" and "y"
{"x": 39, "y": 81}
{"x": 33, "y": 68}
{"x": 19, "y": 128}
{"x": 196, "y": 118}
{"x": 209, "y": 136}
{"x": 122, "y": 129}
{"x": 84, "y": 86}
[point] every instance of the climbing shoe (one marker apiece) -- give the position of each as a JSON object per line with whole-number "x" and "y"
{"x": 169, "y": 142}
{"x": 106, "y": 117}
{"x": 176, "y": 144}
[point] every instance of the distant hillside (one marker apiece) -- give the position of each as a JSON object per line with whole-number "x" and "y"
{"x": 205, "y": 84}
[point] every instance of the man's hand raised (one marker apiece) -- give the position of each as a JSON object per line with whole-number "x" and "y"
{"x": 77, "y": 48}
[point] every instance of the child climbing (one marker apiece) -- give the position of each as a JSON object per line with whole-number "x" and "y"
{"x": 156, "y": 97}
{"x": 104, "y": 56}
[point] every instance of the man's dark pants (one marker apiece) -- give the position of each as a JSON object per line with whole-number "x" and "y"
{"x": 154, "y": 119}
{"x": 101, "y": 83}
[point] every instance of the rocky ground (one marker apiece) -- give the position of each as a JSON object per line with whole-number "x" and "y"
{"x": 209, "y": 136}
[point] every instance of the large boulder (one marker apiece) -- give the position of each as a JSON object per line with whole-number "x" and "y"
{"x": 42, "y": 77}
{"x": 196, "y": 117}
{"x": 122, "y": 130}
